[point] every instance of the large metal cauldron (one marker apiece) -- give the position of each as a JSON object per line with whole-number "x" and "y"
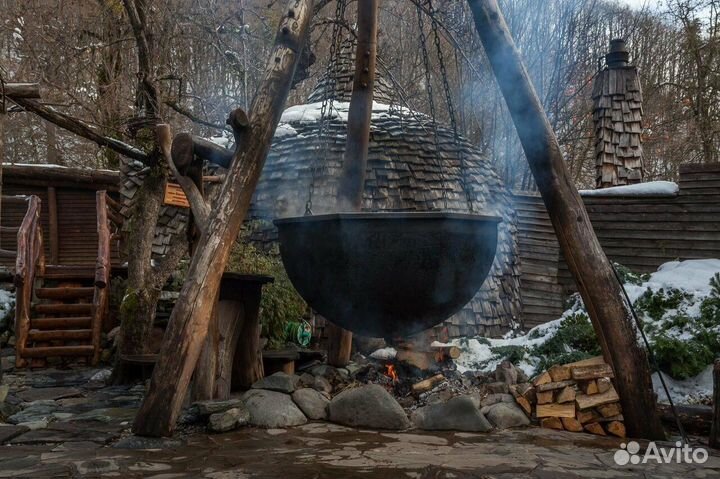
{"x": 388, "y": 274}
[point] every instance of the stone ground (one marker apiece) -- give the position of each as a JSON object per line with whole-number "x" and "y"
{"x": 77, "y": 428}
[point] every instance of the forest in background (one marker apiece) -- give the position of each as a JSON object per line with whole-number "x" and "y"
{"x": 209, "y": 56}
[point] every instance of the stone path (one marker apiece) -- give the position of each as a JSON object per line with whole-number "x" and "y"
{"x": 74, "y": 427}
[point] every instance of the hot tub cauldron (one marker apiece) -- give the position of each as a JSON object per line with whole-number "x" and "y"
{"x": 388, "y": 274}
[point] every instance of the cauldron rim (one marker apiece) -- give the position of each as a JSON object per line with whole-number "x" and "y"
{"x": 389, "y": 215}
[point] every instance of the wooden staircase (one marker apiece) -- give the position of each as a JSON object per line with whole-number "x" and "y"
{"x": 60, "y": 309}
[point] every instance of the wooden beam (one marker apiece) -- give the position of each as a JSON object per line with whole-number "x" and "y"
{"x": 199, "y": 206}
{"x": 188, "y": 325}
{"x": 601, "y": 292}
{"x": 79, "y": 128}
{"x": 352, "y": 179}
{"x": 35, "y": 174}
{"x": 22, "y": 90}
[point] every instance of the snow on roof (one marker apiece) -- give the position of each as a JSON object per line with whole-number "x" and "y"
{"x": 58, "y": 167}
{"x": 651, "y": 188}
{"x": 284, "y": 130}
{"x": 312, "y": 112}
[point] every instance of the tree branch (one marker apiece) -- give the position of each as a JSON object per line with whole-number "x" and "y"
{"x": 79, "y": 128}
{"x": 199, "y": 207}
{"x": 192, "y": 117}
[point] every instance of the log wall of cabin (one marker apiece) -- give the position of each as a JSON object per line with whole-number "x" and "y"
{"x": 639, "y": 232}
{"x": 68, "y": 219}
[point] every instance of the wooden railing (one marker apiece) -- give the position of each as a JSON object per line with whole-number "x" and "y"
{"x": 30, "y": 262}
{"x": 102, "y": 269}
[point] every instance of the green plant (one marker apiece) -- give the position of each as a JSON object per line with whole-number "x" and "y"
{"x": 656, "y": 303}
{"x": 280, "y": 302}
{"x": 627, "y": 276}
{"x": 574, "y": 340}
{"x": 514, "y": 354}
{"x": 680, "y": 358}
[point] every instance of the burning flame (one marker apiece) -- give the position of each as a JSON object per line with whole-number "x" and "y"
{"x": 391, "y": 372}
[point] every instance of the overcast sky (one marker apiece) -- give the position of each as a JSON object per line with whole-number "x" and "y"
{"x": 641, "y": 3}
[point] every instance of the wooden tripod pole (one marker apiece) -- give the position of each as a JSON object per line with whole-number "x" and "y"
{"x": 188, "y": 325}
{"x": 594, "y": 275}
{"x": 352, "y": 181}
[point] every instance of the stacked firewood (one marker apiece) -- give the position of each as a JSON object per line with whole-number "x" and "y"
{"x": 575, "y": 397}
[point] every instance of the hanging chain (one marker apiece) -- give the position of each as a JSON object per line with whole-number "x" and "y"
{"x": 3, "y": 111}
{"x": 451, "y": 108}
{"x": 431, "y": 99}
{"x": 327, "y": 104}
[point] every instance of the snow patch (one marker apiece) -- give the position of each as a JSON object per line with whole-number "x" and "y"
{"x": 692, "y": 276}
{"x": 651, "y": 188}
{"x": 688, "y": 391}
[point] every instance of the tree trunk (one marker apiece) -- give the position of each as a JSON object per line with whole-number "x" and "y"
{"x": 600, "y": 290}
{"x": 188, "y": 324}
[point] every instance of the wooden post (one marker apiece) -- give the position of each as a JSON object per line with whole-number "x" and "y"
{"x": 339, "y": 345}
{"x": 188, "y": 323}
{"x": 715, "y": 428}
{"x": 352, "y": 181}
{"x": 600, "y": 290}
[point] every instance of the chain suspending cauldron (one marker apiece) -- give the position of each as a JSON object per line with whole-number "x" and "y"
{"x": 388, "y": 274}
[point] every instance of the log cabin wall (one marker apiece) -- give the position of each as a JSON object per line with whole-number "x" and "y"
{"x": 67, "y": 215}
{"x": 640, "y": 232}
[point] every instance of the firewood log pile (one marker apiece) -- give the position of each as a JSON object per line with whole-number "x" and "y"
{"x": 574, "y": 397}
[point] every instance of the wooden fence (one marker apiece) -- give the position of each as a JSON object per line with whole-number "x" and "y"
{"x": 640, "y": 232}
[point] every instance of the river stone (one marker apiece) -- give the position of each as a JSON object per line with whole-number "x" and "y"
{"x": 321, "y": 384}
{"x": 206, "y": 408}
{"x": 280, "y": 382}
{"x": 368, "y": 406}
{"x": 498, "y": 388}
{"x": 4, "y": 389}
{"x": 311, "y": 402}
{"x": 458, "y": 414}
{"x": 505, "y": 415}
{"x": 491, "y": 399}
{"x": 228, "y": 420}
{"x": 506, "y": 372}
{"x": 328, "y": 372}
{"x": 272, "y": 409}
{"x": 306, "y": 380}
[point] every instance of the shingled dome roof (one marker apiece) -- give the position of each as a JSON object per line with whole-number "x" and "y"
{"x": 405, "y": 173}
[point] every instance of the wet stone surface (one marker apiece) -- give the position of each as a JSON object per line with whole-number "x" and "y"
{"x": 88, "y": 435}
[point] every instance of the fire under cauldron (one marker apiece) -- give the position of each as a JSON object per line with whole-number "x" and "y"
{"x": 388, "y": 274}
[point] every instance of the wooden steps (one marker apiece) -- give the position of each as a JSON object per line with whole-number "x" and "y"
{"x": 59, "y": 334}
{"x": 60, "y": 308}
{"x": 61, "y": 323}
{"x": 54, "y": 351}
{"x": 61, "y": 272}
{"x": 65, "y": 293}
{"x": 74, "y": 309}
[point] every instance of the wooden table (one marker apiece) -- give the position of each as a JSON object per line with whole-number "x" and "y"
{"x": 232, "y": 355}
